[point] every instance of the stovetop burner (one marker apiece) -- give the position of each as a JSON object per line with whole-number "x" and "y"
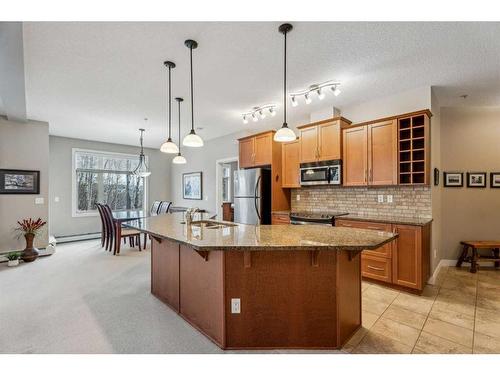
{"x": 317, "y": 215}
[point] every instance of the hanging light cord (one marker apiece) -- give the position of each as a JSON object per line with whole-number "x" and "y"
{"x": 179, "y": 102}
{"x": 142, "y": 148}
{"x": 284, "y": 86}
{"x": 192, "y": 101}
{"x": 169, "y": 104}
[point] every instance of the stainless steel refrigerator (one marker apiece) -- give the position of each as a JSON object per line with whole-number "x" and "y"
{"x": 252, "y": 196}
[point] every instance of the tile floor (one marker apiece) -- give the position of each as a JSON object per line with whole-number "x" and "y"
{"x": 459, "y": 314}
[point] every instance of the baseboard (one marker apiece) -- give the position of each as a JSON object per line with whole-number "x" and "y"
{"x": 442, "y": 263}
{"x": 78, "y": 237}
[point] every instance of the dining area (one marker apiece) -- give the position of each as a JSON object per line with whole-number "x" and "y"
{"x": 113, "y": 230}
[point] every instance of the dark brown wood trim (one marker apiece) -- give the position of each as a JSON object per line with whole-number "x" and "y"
{"x": 332, "y": 119}
{"x": 395, "y": 117}
{"x": 314, "y": 258}
{"x": 203, "y": 254}
{"x": 157, "y": 239}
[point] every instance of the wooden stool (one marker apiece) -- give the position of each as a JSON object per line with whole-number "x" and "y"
{"x": 474, "y": 257}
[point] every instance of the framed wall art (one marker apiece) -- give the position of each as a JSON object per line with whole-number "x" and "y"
{"x": 476, "y": 179}
{"x": 495, "y": 179}
{"x": 192, "y": 185}
{"x": 453, "y": 179}
{"x": 18, "y": 181}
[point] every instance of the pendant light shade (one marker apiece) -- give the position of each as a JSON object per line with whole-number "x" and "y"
{"x": 142, "y": 169}
{"x": 168, "y": 146}
{"x": 285, "y": 134}
{"x": 179, "y": 159}
{"x": 192, "y": 139}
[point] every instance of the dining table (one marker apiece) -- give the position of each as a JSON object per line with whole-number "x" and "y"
{"x": 122, "y": 216}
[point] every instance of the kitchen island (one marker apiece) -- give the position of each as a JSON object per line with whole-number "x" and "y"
{"x": 260, "y": 287}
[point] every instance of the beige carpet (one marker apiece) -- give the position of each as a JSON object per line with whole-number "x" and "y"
{"x": 85, "y": 300}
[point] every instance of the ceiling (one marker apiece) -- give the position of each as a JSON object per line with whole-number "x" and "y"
{"x": 99, "y": 81}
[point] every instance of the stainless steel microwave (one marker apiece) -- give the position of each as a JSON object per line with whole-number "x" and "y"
{"x": 321, "y": 173}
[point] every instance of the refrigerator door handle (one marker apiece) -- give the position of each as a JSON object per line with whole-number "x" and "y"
{"x": 255, "y": 198}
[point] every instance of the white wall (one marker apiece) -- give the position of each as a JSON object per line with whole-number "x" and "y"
{"x": 23, "y": 146}
{"x": 62, "y": 222}
{"x": 204, "y": 160}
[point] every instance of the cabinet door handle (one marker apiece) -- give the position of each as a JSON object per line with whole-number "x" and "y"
{"x": 375, "y": 268}
{"x": 366, "y": 173}
{"x": 371, "y": 175}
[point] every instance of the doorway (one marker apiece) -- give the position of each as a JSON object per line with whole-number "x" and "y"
{"x": 224, "y": 183}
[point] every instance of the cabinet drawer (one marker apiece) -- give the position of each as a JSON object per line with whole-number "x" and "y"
{"x": 277, "y": 219}
{"x": 376, "y": 267}
{"x": 386, "y": 250}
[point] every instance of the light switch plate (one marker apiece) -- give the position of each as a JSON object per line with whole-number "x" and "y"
{"x": 39, "y": 200}
{"x": 298, "y": 197}
{"x": 389, "y": 199}
{"x": 380, "y": 198}
{"x": 235, "y": 306}
{"x": 56, "y": 199}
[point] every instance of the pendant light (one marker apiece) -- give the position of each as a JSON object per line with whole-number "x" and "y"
{"x": 179, "y": 159}
{"x": 168, "y": 146}
{"x": 192, "y": 139}
{"x": 285, "y": 134}
{"x": 142, "y": 169}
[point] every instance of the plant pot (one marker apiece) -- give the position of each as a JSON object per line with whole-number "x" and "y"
{"x": 30, "y": 253}
{"x": 13, "y": 263}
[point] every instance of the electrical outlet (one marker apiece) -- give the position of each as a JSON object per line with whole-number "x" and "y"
{"x": 389, "y": 199}
{"x": 235, "y": 306}
{"x": 56, "y": 199}
{"x": 39, "y": 200}
{"x": 380, "y": 198}
{"x": 298, "y": 197}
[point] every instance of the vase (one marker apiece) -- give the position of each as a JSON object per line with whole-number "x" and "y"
{"x": 13, "y": 263}
{"x": 30, "y": 253}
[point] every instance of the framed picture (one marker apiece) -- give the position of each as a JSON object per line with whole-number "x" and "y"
{"x": 476, "y": 179}
{"x": 495, "y": 179}
{"x": 191, "y": 185}
{"x": 453, "y": 179}
{"x": 436, "y": 177}
{"x": 17, "y": 181}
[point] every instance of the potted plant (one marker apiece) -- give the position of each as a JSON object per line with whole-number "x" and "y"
{"x": 13, "y": 258}
{"x": 29, "y": 228}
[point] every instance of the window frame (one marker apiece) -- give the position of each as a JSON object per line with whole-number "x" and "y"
{"x": 74, "y": 205}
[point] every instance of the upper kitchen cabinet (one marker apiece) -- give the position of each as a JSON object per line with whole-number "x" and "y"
{"x": 389, "y": 151}
{"x": 371, "y": 154}
{"x": 291, "y": 164}
{"x": 256, "y": 150}
{"x": 355, "y": 156}
{"x": 414, "y": 148}
{"x": 321, "y": 140}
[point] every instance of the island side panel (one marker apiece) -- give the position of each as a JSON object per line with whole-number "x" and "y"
{"x": 288, "y": 299}
{"x": 348, "y": 294}
{"x": 165, "y": 271}
{"x": 202, "y": 291}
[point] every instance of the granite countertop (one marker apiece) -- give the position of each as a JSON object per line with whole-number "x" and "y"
{"x": 262, "y": 237}
{"x": 388, "y": 219}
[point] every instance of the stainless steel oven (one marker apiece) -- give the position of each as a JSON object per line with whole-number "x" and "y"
{"x": 321, "y": 173}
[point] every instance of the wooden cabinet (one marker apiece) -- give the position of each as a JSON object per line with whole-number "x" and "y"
{"x": 260, "y": 150}
{"x": 247, "y": 152}
{"x": 321, "y": 140}
{"x": 355, "y": 156}
{"x": 291, "y": 164}
{"x": 370, "y": 154}
{"x": 256, "y": 150}
{"x": 383, "y": 153}
{"x": 404, "y": 262}
{"x": 278, "y": 218}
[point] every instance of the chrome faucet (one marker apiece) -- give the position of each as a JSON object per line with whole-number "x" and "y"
{"x": 189, "y": 214}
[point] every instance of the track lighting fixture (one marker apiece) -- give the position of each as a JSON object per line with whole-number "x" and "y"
{"x": 261, "y": 112}
{"x": 284, "y": 134}
{"x": 318, "y": 89}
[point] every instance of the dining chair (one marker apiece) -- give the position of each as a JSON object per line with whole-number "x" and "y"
{"x": 155, "y": 207}
{"x": 164, "y": 206}
{"x": 109, "y": 227}
{"x": 131, "y": 234}
{"x": 103, "y": 225}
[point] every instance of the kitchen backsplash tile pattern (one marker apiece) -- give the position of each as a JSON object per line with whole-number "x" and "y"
{"x": 407, "y": 201}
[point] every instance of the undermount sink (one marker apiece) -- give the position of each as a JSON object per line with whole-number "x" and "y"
{"x": 212, "y": 224}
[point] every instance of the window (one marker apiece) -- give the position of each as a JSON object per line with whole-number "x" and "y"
{"x": 107, "y": 178}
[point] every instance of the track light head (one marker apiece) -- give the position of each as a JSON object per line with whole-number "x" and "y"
{"x": 336, "y": 90}
{"x": 245, "y": 120}
{"x": 321, "y": 94}
{"x": 308, "y": 98}
{"x": 254, "y": 118}
{"x": 272, "y": 112}
{"x": 262, "y": 114}
{"x": 295, "y": 103}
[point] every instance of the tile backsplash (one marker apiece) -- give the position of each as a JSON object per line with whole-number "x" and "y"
{"x": 407, "y": 201}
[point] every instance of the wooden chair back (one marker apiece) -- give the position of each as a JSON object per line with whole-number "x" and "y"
{"x": 155, "y": 207}
{"x": 164, "y": 206}
{"x": 103, "y": 224}
{"x": 108, "y": 217}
